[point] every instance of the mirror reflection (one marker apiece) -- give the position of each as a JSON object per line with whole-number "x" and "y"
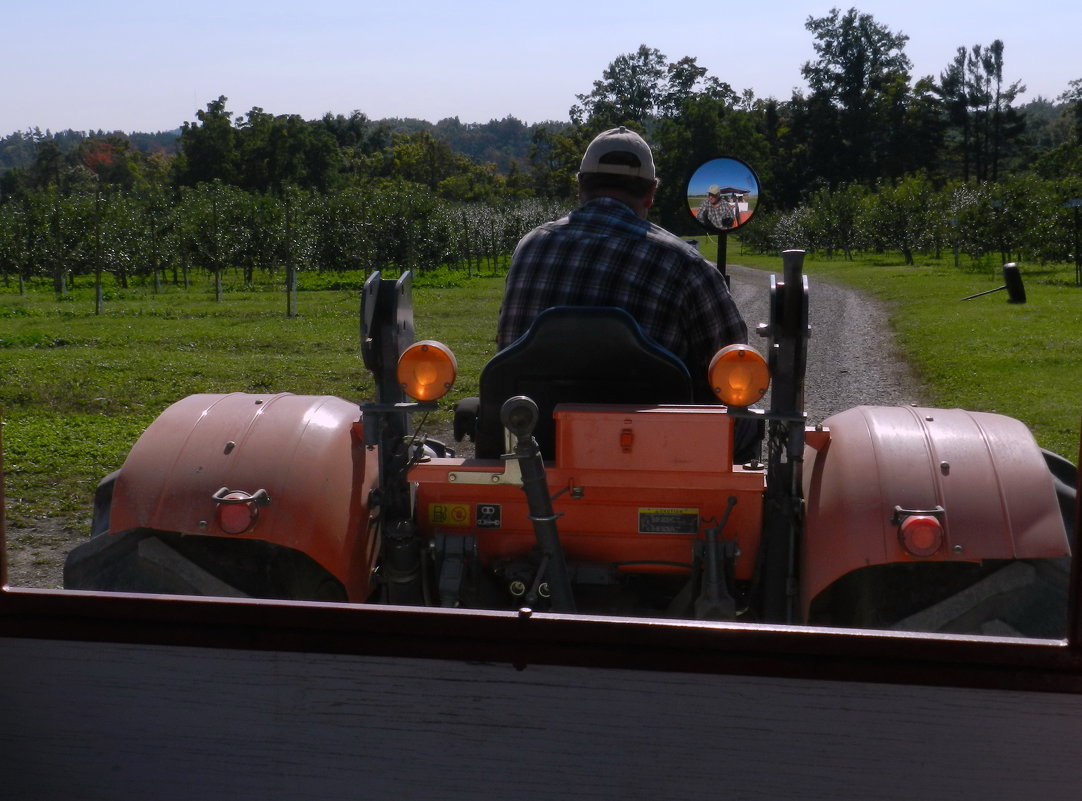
{"x": 723, "y": 194}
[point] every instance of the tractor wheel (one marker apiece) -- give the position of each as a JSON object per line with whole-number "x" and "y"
{"x": 1023, "y": 598}
{"x": 161, "y": 562}
{"x": 1013, "y": 598}
{"x": 141, "y": 561}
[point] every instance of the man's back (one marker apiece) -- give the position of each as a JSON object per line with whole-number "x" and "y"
{"x": 603, "y": 254}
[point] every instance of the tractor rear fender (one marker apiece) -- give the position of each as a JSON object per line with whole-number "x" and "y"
{"x": 304, "y": 452}
{"x": 983, "y": 471}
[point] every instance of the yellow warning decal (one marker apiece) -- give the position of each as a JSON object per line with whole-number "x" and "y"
{"x": 668, "y": 521}
{"x": 449, "y": 514}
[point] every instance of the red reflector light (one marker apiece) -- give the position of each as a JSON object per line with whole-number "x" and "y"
{"x": 236, "y": 518}
{"x": 921, "y": 535}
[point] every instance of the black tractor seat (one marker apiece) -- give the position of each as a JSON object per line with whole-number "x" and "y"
{"x": 572, "y": 354}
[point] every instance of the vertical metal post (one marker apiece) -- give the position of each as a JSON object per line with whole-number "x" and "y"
{"x": 723, "y": 255}
{"x": 1074, "y": 594}
{"x": 387, "y": 330}
{"x": 1075, "y": 203}
{"x": 3, "y": 529}
{"x": 98, "y": 296}
{"x": 777, "y": 594}
{"x": 1077, "y": 251}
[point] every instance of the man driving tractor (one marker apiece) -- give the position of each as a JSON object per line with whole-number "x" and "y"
{"x": 606, "y": 253}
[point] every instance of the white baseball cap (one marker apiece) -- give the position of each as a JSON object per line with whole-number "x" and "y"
{"x": 634, "y": 159}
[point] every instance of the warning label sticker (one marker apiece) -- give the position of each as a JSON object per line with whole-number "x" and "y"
{"x": 449, "y": 514}
{"x": 489, "y": 515}
{"x": 668, "y": 521}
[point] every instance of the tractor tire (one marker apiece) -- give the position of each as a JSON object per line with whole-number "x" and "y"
{"x": 140, "y": 561}
{"x": 169, "y": 563}
{"x": 1065, "y": 480}
{"x": 1011, "y": 598}
{"x": 1023, "y": 598}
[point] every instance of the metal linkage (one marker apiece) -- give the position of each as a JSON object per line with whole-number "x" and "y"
{"x": 519, "y": 415}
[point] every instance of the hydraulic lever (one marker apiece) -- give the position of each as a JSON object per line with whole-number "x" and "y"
{"x": 519, "y": 416}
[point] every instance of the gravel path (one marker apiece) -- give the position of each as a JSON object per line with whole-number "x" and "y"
{"x": 853, "y": 358}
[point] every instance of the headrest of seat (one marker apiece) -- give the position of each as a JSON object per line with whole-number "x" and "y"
{"x": 578, "y": 354}
{"x": 587, "y": 333}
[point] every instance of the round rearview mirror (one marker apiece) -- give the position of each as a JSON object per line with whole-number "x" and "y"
{"x": 723, "y": 194}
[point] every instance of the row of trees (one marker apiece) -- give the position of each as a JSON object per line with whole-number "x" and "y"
{"x": 213, "y": 227}
{"x": 862, "y": 120}
{"x": 1017, "y": 219}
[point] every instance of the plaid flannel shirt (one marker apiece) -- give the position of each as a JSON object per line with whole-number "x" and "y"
{"x": 603, "y": 254}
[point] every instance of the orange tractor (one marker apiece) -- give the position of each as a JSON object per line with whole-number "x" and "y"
{"x": 597, "y": 487}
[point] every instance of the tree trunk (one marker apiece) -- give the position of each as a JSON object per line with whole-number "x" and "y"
{"x": 60, "y": 285}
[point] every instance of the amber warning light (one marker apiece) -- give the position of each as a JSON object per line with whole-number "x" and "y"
{"x": 427, "y": 370}
{"x": 738, "y": 375}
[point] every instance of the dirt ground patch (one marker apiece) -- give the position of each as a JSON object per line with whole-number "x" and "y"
{"x": 35, "y": 556}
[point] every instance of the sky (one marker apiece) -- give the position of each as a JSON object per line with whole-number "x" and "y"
{"x": 90, "y": 65}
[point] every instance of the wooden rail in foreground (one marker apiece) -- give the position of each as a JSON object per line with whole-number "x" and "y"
{"x": 148, "y": 697}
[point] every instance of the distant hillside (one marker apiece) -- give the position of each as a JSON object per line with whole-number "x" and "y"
{"x": 17, "y": 149}
{"x": 500, "y": 142}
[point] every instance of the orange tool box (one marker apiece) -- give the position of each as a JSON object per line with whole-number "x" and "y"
{"x": 632, "y": 485}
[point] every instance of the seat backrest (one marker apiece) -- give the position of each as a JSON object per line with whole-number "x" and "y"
{"x": 577, "y": 354}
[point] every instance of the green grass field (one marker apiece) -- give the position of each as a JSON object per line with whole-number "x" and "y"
{"x": 77, "y": 388}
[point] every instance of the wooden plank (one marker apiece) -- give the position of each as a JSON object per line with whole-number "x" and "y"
{"x": 107, "y": 721}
